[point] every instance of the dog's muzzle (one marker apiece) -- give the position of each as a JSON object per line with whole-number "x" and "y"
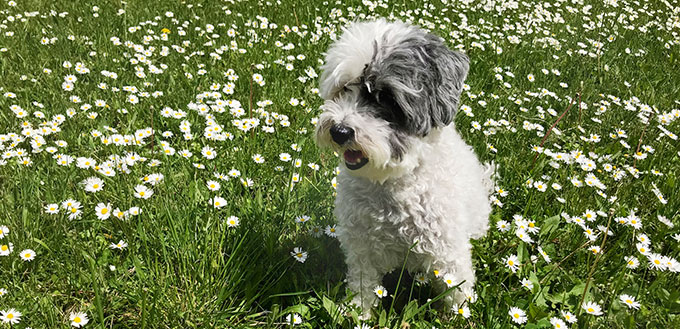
{"x": 342, "y": 135}
{"x": 354, "y": 159}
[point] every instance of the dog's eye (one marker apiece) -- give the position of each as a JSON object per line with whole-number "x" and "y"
{"x": 345, "y": 88}
{"x": 394, "y": 113}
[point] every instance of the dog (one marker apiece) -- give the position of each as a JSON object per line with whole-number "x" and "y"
{"x": 407, "y": 182}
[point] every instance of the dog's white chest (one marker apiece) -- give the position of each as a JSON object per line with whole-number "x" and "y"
{"x": 395, "y": 214}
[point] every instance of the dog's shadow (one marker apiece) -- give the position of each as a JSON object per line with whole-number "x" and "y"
{"x": 404, "y": 291}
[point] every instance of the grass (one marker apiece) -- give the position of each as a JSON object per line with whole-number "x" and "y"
{"x": 185, "y": 266}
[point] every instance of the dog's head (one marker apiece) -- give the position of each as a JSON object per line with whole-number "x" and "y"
{"x": 387, "y": 86}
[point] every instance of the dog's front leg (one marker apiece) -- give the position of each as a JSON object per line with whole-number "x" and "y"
{"x": 460, "y": 272}
{"x": 362, "y": 278}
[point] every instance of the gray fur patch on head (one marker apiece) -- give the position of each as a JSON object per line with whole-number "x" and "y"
{"x": 422, "y": 75}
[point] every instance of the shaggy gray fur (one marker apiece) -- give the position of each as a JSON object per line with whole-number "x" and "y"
{"x": 423, "y": 76}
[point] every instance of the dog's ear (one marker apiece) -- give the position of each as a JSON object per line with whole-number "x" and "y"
{"x": 452, "y": 67}
{"x": 425, "y": 77}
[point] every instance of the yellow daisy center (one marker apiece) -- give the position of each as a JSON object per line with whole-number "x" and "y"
{"x": 516, "y": 316}
{"x": 4, "y": 247}
{"x": 27, "y": 255}
{"x": 76, "y": 319}
{"x": 10, "y": 316}
{"x": 591, "y": 310}
{"x": 104, "y": 211}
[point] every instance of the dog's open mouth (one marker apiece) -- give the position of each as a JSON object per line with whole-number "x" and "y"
{"x": 354, "y": 159}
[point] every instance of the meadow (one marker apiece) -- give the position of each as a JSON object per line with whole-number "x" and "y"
{"x": 158, "y": 167}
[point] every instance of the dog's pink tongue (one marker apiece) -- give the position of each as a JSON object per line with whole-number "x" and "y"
{"x": 352, "y": 156}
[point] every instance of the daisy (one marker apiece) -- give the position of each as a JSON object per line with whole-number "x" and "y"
{"x": 134, "y": 211}
{"x": 258, "y": 158}
{"x": 421, "y": 278}
{"x": 299, "y": 254}
{"x": 526, "y": 283}
{"x": 544, "y": 254}
{"x": 656, "y": 261}
{"x": 143, "y": 192}
{"x": 6, "y": 249}
{"x": 380, "y": 291}
{"x": 10, "y": 316}
{"x": 213, "y": 185}
{"x": 208, "y": 152}
{"x": 450, "y": 280}
{"x": 632, "y": 262}
{"x": 629, "y": 301}
{"x": 470, "y": 295}
{"x": 592, "y": 308}
{"x": 595, "y": 249}
{"x": 302, "y": 219}
{"x": 120, "y": 245}
{"x": 232, "y": 221}
{"x": 331, "y": 231}
{"x": 78, "y": 319}
{"x": 463, "y": 311}
{"x": 557, "y": 323}
{"x": 293, "y": 319}
{"x": 4, "y": 230}
{"x": 524, "y": 236}
{"x": 643, "y": 248}
{"x": 569, "y": 317}
{"x": 27, "y": 255}
{"x": 122, "y": 215}
{"x": 517, "y": 315}
{"x": 103, "y": 211}
{"x": 218, "y": 202}
{"x": 3, "y": 292}
{"x": 590, "y": 215}
{"x": 52, "y": 208}
{"x": 315, "y": 231}
{"x": 503, "y": 226}
{"x": 512, "y": 263}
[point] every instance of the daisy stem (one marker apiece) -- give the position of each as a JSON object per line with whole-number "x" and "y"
{"x": 553, "y": 126}
{"x": 597, "y": 258}
{"x": 563, "y": 259}
{"x": 637, "y": 295}
{"x": 637, "y": 150}
{"x": 401, "y": 274}
{"x": 95, "y": 286}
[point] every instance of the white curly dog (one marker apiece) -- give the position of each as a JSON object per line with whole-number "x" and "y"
{"x": 408, "y": 179}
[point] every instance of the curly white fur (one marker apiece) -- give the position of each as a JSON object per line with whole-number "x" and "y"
{"x": 434, "y": 196}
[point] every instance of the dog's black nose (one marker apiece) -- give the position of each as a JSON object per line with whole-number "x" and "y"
{"x": 341, "y": 134}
